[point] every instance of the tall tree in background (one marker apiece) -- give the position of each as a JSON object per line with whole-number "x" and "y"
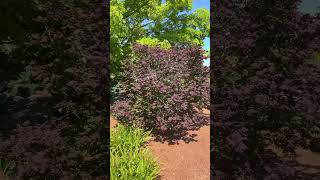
{"x": 154, "y": 22}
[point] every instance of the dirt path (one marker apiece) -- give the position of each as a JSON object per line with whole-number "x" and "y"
{"x": 113, "y": 122}
{"x": 309, "y": 162}
{"x": 183, "y": 161}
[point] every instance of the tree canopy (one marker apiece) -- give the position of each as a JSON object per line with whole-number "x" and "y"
{"x": 154, "y": 22}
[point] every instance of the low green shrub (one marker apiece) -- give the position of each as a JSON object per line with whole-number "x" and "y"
{"x": 129, "y": 159}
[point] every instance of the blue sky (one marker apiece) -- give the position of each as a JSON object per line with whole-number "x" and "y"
{"x": 309, "y": 6}
{"x": 203, "y": 4}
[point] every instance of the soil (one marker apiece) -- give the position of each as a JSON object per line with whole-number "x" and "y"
{"x": 113, "y": 122}
{"x": 191, "y": 161}
{"x": 308, "y": 161}
{"x": 184, "y": 160}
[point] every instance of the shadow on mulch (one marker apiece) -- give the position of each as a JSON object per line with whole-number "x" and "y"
{"x": 183, "y": 134}
{"x": 160, "y": 177}
{"x": 304, "y": 170}
{"x": 174, "y": 137}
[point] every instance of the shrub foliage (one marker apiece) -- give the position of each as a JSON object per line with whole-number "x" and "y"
{"x": 163, "y": 88}
{"x": 54, "y": 107}
{"x": 264, "y": 90}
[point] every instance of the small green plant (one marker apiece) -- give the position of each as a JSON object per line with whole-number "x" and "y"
{"x": 129, "y": 159}
{"x": 6, "y": 168}
{"x": 23, "y": 85}
{"x": 315, "y": 59}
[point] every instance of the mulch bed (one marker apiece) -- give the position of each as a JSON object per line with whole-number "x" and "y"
{"x": 184, "y": 160}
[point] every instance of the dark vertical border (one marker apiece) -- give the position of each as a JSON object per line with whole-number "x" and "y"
{"x": 211, "y": 98}
{"x": 107, "y": 2}
{"x": 60, "y": 130}
{"x": 214, "y": 8}
{"x": 264, "y": 90}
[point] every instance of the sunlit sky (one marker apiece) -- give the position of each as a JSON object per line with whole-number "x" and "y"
{"x": 203, "y": 4}
{"x": 310, "y": 6}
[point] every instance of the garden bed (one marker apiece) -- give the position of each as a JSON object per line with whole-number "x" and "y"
{"x": 184, "y": 159}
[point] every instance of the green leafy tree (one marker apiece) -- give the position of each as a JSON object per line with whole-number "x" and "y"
{"x": 154, "y": 23}
{"x": 153, "y": 42}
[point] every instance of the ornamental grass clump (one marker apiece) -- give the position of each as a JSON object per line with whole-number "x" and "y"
{"x": 163, "y": 89}
{"x": 129, "y": 159}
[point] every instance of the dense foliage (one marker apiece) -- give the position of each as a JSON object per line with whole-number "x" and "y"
{"x": 162, "y": 90}
{"x": 154, "y": 42}
{"x": 129, "y": 159}
{"x": 53, "y": 105}
{"x": 162, "y": 22}
{"x": 265, "y": 90}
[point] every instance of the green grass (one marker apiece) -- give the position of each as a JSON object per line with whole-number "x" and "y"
{"x": 129, "y": 159}
{"x": 315, "y": 59}
{"x": 6, "y": 168}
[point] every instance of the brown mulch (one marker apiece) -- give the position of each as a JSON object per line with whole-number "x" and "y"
{"x": 185, "y": 160}
{"x": 307, "y": 161}
{"x": 113, "y": 122}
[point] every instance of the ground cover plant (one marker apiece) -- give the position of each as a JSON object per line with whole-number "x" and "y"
{"x": 162, "y": 89}
{"x": 54, "y": 90}
{"x": 265, "y": 88}
{"x": 129, "y": 159}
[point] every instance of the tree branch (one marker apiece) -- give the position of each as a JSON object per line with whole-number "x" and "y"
{"x": 126, "y": 15}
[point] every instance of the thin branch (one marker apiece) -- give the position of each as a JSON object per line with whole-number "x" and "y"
{"x": 126, "y": 15}
{"x": 7, "y": 41}
{"x": 146, "y": 24}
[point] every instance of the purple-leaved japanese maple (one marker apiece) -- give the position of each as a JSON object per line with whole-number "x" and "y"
{"x": 163, "y": 89}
